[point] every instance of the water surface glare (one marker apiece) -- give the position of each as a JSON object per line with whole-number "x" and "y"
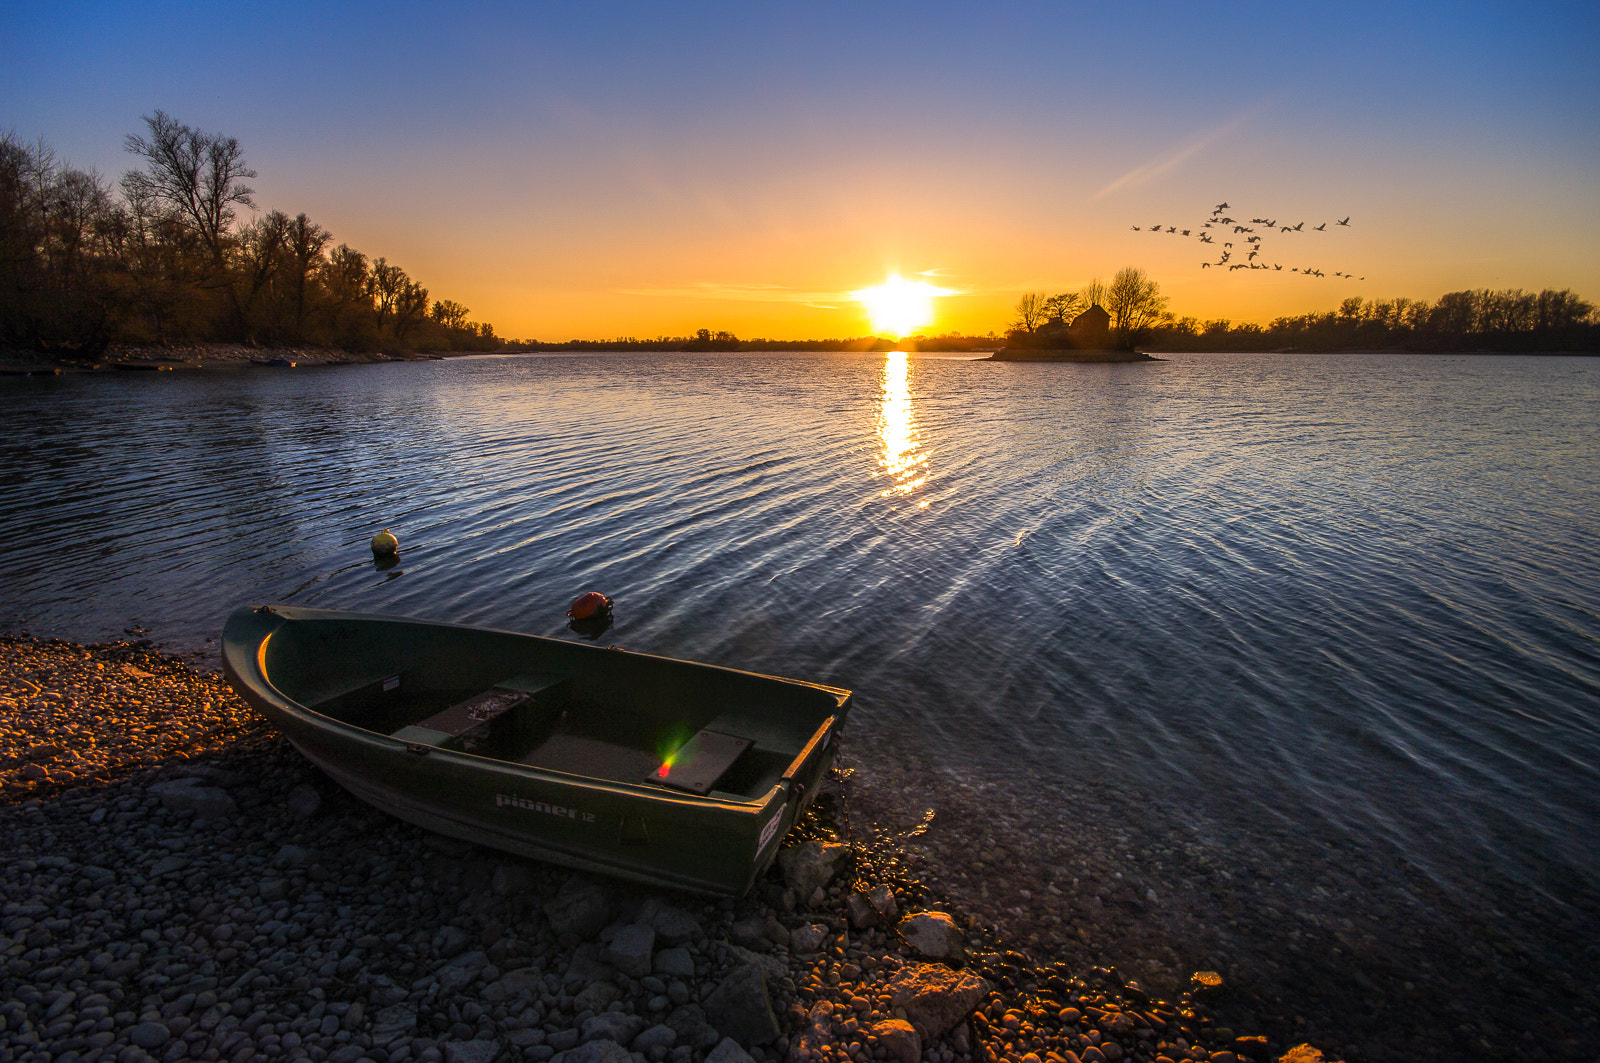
{"x": 1351, "y": 598}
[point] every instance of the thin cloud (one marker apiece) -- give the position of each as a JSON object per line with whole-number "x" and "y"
{"x": 1155, "y": 168}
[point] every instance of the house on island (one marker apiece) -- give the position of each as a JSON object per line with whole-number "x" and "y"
{"x": 1090, "y": 329}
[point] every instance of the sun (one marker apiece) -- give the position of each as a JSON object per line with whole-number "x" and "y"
{"x": 899, "y": 307}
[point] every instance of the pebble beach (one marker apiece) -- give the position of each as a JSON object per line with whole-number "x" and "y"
{"x": 179, "y": 884}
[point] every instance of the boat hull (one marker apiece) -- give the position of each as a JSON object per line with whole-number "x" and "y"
{"x": 564, "y": 776}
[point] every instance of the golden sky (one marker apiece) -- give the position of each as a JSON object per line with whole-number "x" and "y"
{"x": 635, "y": 170}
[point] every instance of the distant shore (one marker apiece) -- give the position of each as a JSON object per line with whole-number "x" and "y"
{"x": 1028, "y": 354}
{"x": 15, "y": 362}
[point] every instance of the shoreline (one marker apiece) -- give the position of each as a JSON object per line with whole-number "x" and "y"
{"x": 1086, "y": 356}
{"x": 199, "y": 356}
{"x": 181, "y": 884}
{"x": 14, "y": 362}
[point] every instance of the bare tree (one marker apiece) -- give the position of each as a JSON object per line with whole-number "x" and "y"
{"x": 385, "y": 284}
{"x": 1064, "y": 306}
{"x": 1134, "y": 302}
{"x": 305, "y": 243}
{"x": 1562, "y": 310}
{"x": 345, "y": 284}
{"x": 1031, "y": 312}
{"x": 199, "y": 176}
{"x": 450, "y": 314}
{"x": 263, "y": 251}
{"x": 410, "y": 308}
{"x": 345, "y": 277}
{"x": 1094, "y": 294}
{"x": 23, "y": 173}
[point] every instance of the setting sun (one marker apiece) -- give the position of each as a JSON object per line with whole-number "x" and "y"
{"x": 899, "y": 307}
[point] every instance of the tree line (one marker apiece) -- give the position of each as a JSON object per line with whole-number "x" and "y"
{"x": 1509, "y": 320}
{"x": 1506, "y": 320}
{"x": 162, "y": 258}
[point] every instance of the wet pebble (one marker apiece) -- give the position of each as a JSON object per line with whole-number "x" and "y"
{"x": 204, "y": 906}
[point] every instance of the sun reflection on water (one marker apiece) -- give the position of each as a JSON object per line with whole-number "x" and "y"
{"x": 903, "y": 459}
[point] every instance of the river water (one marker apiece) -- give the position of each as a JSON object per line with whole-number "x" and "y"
{"x": 1284, "y": 664}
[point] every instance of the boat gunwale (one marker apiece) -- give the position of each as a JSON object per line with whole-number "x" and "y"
{"x": 258, "y": 680}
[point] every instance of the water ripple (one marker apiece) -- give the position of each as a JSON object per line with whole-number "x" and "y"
{"x": 1360, "y": 596}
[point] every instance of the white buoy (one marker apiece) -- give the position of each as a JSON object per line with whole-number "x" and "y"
{"x": 384, "y": 544}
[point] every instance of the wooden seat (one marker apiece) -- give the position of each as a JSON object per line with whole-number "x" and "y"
{"x": 699, "y": 762}
{"x": 477, "y": 710}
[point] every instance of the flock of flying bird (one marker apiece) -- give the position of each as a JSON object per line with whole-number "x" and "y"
{"x": 1221, "y": 225}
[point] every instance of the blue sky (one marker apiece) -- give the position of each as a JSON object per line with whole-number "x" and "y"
{"x": 609, "y": 169}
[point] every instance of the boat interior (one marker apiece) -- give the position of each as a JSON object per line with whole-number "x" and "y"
{"x": 674, "y": 726}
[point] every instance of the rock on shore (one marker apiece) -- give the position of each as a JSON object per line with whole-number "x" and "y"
{"x": 190, "y": 888}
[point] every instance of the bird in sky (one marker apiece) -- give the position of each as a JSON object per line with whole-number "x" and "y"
{"x": 1253, "y": 244}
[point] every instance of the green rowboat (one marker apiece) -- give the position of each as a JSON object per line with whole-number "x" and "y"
{"x": 664, "y": 771}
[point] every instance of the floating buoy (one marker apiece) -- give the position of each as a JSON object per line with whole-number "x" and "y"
{"x": 589, "y": 606}
{"x": 384, "y": 544}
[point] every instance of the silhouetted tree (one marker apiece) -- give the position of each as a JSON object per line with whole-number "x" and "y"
{"x": 451, "y": 315}
{"x": 199, "y": 176}
{"x": 410, "y": 308}
{"x": 263, "y": 248}
{"x": 346, "y": 281}
{"x": 55, "y": 224}
{"x": 1135, "y": 303}
{"x": 304, "y": 244}
{"x": 384, "y": 285}
{"x": 1031, "y": 311}
{"x": 1063, "y": 307}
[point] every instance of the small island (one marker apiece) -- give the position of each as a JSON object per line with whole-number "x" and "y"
{"x": 1057, "y": 354}
{"x": 1088, "y": 337}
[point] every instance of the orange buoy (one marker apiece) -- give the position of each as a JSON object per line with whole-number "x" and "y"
{"x": 589, "y": 605}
